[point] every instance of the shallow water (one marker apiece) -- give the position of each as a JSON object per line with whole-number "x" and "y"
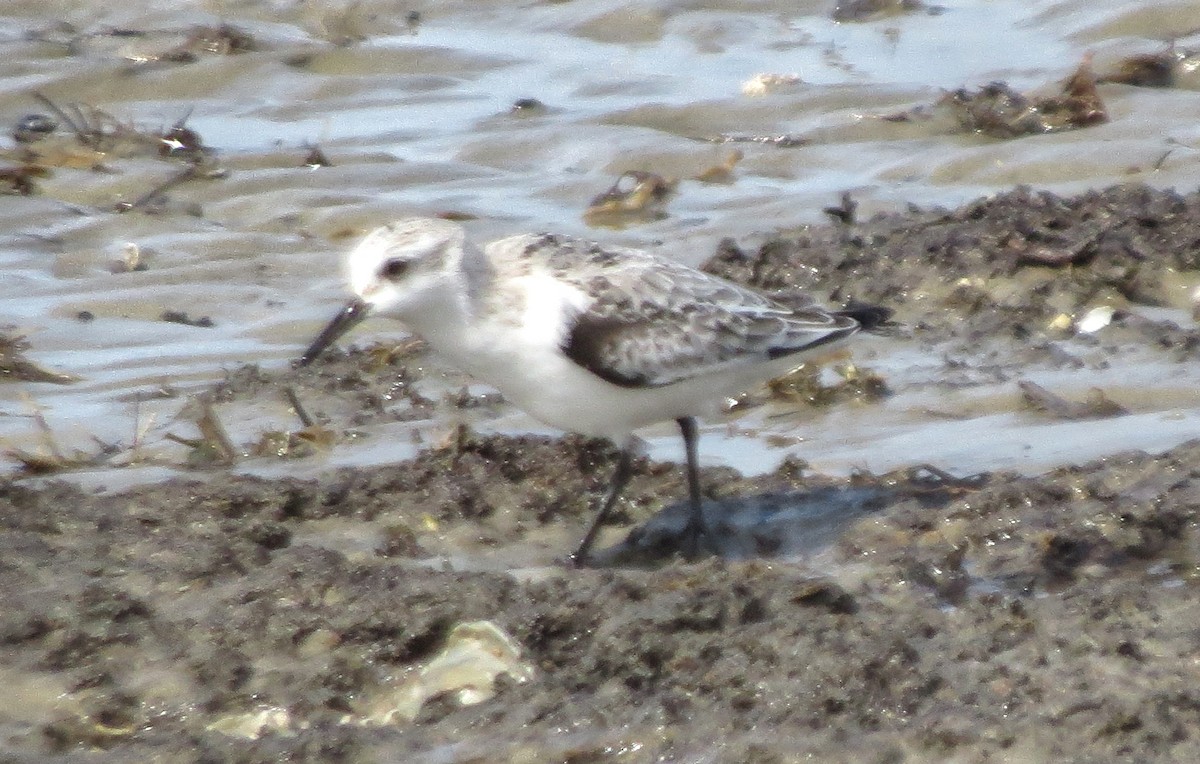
{"x": 418, "y": 120}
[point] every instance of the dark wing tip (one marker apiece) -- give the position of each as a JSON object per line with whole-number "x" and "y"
{"x": 844, "y": 327}
{"x": 870, "y": 318}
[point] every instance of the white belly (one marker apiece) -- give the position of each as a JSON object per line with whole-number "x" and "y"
{"x": 520, "y": 356}
{"x": 559, "y": 392}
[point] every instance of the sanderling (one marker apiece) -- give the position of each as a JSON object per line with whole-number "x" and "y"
{"x": 586, "y": 337}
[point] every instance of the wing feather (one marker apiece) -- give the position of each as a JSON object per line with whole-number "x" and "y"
{"x": 652, "y": 322}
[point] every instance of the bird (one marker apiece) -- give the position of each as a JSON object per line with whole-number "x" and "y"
{"x": 586, "y": 337}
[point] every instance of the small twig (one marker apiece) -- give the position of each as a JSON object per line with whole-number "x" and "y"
{"x": 137, "y": 420}
{"x": 305, "y": 419}
{"x": 1163, "y": 159}
{"x": 48, "y": 438}
{"x": 214, "y": 433}
{"x": 90, "y": 131}
{"x": 189, "y": 442}
{"x": 186, "y": 174}
{"x": 182, "y": 121}
{"x": 139, "y": 429}
{"x": 65, "y": 117}
{"x": 106, "y": 450}
{"x": 844, "y": 211}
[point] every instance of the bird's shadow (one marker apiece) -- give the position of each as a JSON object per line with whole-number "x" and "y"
{"x": 777, "y": 524}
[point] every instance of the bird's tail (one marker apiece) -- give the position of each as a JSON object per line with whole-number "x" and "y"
{"x": 872, "y": 318}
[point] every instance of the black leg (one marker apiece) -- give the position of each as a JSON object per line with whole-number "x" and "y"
{"x": 620, "y": 477}
{"x": 695, "y": 524}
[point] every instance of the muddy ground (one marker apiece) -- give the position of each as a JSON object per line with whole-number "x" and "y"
{"x": 995, "y": 618}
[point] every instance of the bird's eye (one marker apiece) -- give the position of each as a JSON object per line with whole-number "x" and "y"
{"x": 394, "y": 269}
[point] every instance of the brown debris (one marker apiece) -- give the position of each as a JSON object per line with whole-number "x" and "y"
{"x": 93, "y": 127}
{"x": 311, "y": 438}
{"x": 164, "y": 46}
{"x": 191, "y": 172}
{"x": 93, "y": 137}
{"x": 52, "y": 458}
{"x": 387, "y": 355}
{"x": 213, "y": 447}
{"x": 39, "y": 463}
{"x": 316, "y": 158}
{"x": 1150, "y": 70}
{"x": 182, "y": 142}
{"x": 180, "y": 317}
{"x": 220, "y": 40}
{"x": 457, "y": 216}
{"x": 932, "y": 478}
{"x": 18, "y": 180}
{"x": 101, "y": 131}
{"x": 844, "y": 212}
{"x": 294, "y": 445}
{"x": 346, "y": 23}
{"x": 214, "y": 433}
{"x": 527, "y": 107}
{"x": 1001, "y": 112}
{"x": 302, "y": 414}
{"x": 15, "y": 367}
{"x": 723, "y": 172}
{"x": 1171, "y": 68}
{"x": 804, "y": 386}
{"x": 870, "y": 10}
{"x": 1096, "y": 406}
{"x": 636, "y": 195}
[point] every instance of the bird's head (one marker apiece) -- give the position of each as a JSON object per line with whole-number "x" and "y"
{"x": 398, "y": 271}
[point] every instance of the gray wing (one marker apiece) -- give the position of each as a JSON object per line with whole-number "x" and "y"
{"x": 653, "y": 322}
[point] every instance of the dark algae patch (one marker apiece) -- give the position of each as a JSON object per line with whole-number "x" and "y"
{"x": 1049, "y": 618}
{"x": 1000, "y": 268}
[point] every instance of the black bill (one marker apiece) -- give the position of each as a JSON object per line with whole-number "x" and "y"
{"x": 346, "y": 319}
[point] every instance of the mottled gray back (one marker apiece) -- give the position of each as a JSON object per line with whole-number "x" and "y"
{"x": 653, "y": 321}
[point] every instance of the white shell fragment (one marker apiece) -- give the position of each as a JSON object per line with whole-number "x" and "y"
{"x": 252, "y": 725}
{"x": 761, "y": 84}
{"x": 475, "y": 654}
{"x": 1095, "y": 319}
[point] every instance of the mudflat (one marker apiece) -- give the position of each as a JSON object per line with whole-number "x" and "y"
{"x": 989, "y": 617}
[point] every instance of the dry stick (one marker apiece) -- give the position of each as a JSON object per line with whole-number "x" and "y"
{"x": 48, "y": 438}
{"x": 179, "y": 123}
{"x": 71, "y": 123}
{"x": 139, "y": 429}
{"x": 214, "y": 434}
{"x": 91, "y": 132}
{"x": 174, "y": 180}
{"x": 1163, "y": 159}
{"x": 189, "y": 442}
{"x": 305, "y": 419}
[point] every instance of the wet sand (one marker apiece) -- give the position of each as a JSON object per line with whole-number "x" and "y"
{"x": 999, "y": 617}
{"x": 973, "y": 539}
